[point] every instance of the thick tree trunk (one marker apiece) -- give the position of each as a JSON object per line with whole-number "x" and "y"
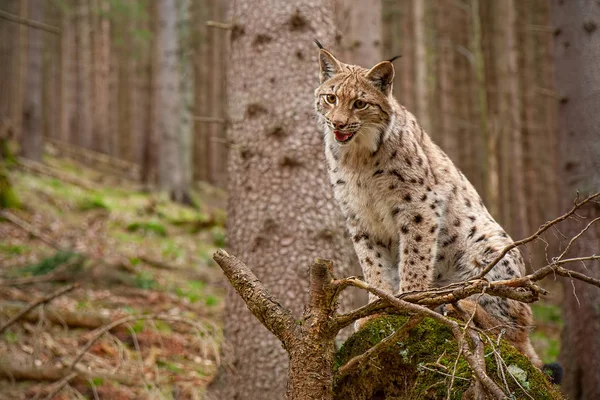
{"x": 281, "y": 211}
{"x": 32, "y": 135}
{"x": 577, "y": 56}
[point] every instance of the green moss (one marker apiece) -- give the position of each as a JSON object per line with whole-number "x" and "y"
{"x": 93, "y": 203}
{"x": 418, "y": 367}
{"x": 13, "y": 250}
{"x": 148, "y": 227}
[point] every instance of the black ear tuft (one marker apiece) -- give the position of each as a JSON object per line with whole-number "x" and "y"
{"x": 318, "y": 43}
{"x": 555, "y": 372}
{"x": 394, "y": 58}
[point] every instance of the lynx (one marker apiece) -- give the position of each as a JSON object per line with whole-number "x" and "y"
{"x": 415, "y": 220}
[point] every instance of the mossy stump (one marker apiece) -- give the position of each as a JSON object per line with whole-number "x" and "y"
{"x": 420, "y": 366}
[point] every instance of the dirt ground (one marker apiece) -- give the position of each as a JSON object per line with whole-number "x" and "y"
{"x": 140, "y": 316}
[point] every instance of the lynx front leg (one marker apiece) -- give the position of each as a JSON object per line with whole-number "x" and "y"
{"x": 375, "y": 260}
{"x": 418, "y": 236}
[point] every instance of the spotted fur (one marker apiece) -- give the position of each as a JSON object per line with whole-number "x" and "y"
{"x": 415, "y": 220}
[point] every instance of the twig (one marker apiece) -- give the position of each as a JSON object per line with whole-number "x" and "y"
{"x": 33, "y": 305}
{"x": 30, "y": 23}
{"x": 574, "y": 238}
{"x": 541, "y": 230}
{"x": 57, "y": 387}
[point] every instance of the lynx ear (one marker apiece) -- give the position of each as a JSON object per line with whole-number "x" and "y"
{"x": 329, "y": 65}
{"x": 382, "y": 76}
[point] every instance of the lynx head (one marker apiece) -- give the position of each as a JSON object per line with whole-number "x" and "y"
{"x": 354, "y": 103}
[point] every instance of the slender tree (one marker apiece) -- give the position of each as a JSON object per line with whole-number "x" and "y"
{"x": 577, "y": 54}
{"x": 171, "y": 172}
{"x": 32, "y": 135}
{"x": 281, "y": 214}
{"x": 84, "y": 75}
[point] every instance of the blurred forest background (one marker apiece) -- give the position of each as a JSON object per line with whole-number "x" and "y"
{"x": 105, "y": 105}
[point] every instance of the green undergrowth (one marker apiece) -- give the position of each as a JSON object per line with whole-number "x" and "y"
{"x": 420, "y": 366}
{"x": 49, "y": 264}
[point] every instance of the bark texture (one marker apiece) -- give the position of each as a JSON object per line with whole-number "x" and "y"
{"x": 577, "y": 56}
{"x": 281, "y": 212}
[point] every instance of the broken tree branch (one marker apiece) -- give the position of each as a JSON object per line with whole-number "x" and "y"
{"x": 278, "y": 320}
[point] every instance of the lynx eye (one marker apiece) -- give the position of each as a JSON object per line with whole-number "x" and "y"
{"x": 360, "y": 105}
{"x": 330, "y": 99}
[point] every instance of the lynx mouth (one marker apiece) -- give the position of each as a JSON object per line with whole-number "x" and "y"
{"x": 343, "y": 137}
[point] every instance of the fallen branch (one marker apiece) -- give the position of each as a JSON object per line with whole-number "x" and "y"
{"x": 18, "y": 371}
{"x": 59, "y": 316}
{"x": 46, "y": 170}
{"x": 45, "y": 299}
{"x": 30, "y": 229}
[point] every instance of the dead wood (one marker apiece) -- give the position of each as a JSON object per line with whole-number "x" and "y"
{"x": 59, "y": 316}
{"x": 43, "y": 300}
{"x": 40, "y": 168}
{"x": 11, "y": 369}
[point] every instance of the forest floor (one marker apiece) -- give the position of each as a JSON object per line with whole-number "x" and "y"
{"x": 144, "y": 317}
{"x": 138, "y": 262}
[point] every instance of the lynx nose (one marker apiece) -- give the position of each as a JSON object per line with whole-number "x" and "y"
{"x": 338, "y": 125}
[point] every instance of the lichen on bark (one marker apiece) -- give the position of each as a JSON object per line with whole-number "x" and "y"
{"x": 420, "y": 365}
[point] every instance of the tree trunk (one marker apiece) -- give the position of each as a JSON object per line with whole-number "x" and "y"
{"x": 149, "y": 164}
{"x": 32, "y": 135}
{"x": 84, "y": 84}
{"x": 171, "y": 174}
{"x": 21, "y": 65}
{"x": 421, "y": 92}
{"x": 101, "y": 46}
{"x": 281, "y": 212}
{"x": 200, "y": 10}
{"x": 577, "y": 54}
{"x": 446, "y": 21}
